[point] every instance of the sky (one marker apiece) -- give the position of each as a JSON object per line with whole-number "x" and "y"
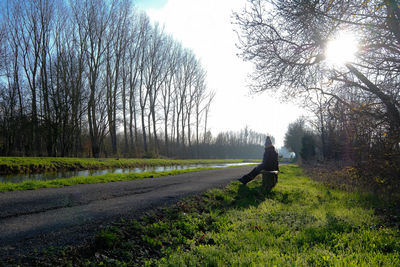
{"x": 205, "y": 27}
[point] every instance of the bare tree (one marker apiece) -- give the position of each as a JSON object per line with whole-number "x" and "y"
{"x": 10, "y": 93}
{"x": 207, "y": 111}
{"x": 93, "y": 19}
{"x": 115, "y": 49}
{"x": 3, "y": 44}
{"x": 189, "y": 99}
{"x": 144, "y": 37}
{"x": 287, "y": 39}
{"x": 156, "y": 72}
{"x": 199, "y": 98}
{"x": 185, "y": 96}
{"x": 179, "y": 93}
{"x": 173, "y": 49}
{"x": 134, "y": 64}
{"x": 67, "y": 83}
{"x": 33, "y": 33}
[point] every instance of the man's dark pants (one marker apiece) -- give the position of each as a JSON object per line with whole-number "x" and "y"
{"x": 251, "y": 175}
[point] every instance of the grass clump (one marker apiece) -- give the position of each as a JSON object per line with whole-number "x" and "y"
{"x": 106, "y": 239}
{"x": 299, "y": 223}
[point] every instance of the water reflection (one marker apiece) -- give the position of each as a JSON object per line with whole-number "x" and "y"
{"x": 18, "y": 178}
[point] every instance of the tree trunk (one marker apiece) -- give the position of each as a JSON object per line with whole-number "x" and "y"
{"x": 391, "y": 109}
{"x": 144, "y": 131}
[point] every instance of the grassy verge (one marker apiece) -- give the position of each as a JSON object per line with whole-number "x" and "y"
{"x": 351, "y": 178}
{"x": 299, "y": 223}
{"x": 9, "y": 165}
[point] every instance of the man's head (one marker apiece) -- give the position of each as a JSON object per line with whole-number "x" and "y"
{"x": 268, "y": 142}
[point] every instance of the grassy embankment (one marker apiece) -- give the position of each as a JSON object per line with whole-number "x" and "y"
{"x": 10, "y": 165}
{"x": 299, "y": 223}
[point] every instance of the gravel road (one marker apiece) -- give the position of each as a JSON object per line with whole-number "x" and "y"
{"x": 34, "y": 220}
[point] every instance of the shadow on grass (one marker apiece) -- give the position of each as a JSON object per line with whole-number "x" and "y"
{"x": 252, "y": 196}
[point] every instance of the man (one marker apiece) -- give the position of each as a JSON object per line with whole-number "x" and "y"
{"x": 269, "y": 163}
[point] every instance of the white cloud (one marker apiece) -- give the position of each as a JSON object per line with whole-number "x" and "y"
{"x": 205, "y": 27}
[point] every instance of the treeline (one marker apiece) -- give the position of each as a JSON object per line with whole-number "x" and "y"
{"x": 244, "y": 144}
{"x": 96, "y": 78}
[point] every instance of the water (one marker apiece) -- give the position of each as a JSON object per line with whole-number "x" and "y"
{"x": 18, "y": 178}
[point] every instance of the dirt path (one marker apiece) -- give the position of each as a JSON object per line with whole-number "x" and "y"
{"x": 42, "y": 218}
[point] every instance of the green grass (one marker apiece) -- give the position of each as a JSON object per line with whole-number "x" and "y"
{"x": 10, "y": 165}
{"x": 299, "y": 223}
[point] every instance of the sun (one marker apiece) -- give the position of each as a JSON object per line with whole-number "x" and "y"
{"x": 342, "y": 49}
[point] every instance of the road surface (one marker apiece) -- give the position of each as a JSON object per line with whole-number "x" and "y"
{"x": 34, "y": 220}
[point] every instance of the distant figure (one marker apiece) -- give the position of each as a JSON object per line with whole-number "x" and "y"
{"x": 269, "y": 163}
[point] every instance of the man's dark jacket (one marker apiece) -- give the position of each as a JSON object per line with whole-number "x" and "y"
{"x": 270, "y": 160}
{"x": 269, "y": 163}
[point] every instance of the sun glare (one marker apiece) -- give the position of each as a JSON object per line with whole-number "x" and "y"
{"x": 342, "y": 49}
